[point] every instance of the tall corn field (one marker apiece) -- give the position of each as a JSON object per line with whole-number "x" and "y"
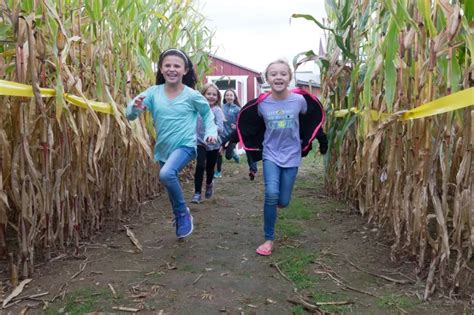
{"x": 66, "y": 171}
{"x": 413, "y": 177}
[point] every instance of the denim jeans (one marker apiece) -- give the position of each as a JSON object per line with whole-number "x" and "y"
{"x": 169, "y": 177}
{"x": 279, "y": 183}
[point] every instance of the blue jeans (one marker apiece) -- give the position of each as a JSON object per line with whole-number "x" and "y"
{"x": 169, "y": 177}
{"x": 279, "y": 183}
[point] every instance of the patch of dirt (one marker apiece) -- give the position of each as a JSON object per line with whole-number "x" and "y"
{"x": 216, "y": 270}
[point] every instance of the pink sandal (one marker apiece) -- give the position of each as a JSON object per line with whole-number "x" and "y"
{"x": 265, "y": 249}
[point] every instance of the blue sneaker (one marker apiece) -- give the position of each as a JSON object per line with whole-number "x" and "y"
{"x": 196, "y": 198}
{"x": 209, "y": 190}
{"x": 217, "y": 174}
{"x": 184, "y": 224}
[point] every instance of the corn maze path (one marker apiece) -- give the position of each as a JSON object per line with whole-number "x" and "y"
{"x": 325, "y": 252}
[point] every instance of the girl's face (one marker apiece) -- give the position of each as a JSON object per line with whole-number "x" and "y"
{"x": 278, "y": 76}
{"x": 173, "y": 69}
{"x": 211, "y": 96}
{"x": 229, "y": 97}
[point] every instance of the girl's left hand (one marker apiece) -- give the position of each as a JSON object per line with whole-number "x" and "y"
{"x": 211, "y": 140}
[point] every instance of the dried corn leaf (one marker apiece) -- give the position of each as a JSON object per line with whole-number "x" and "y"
{"x": 16, "y": 291}
{"x": 133, "y": 239}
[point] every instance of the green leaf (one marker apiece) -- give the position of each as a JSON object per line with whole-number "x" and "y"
{"x": 397, "y": 13}
{"x": 442, "y": 64}
{"x": 349, "y": 120}
{"x": 403, "y": 14}
{"x": 324, "y": 64}
{"x": 120, "y": 4}
{"x": 469, "y": 40}
{"x": 4, "y": 30}
{"x": 146, "y": 65}
{"x": 59, "y": 98}
{"x": 469, "y": 10}
{"x": 97, "y": 7}
{"x": 308, "y": 56}
{"x": 455, "y": 74}
{"x": 391, "y": 47}
{"x": 346, "y": 14}
{"x": 424, "y": 6}
{"x": 311, "y": 18}
{"x": 27, "y": 5}
{"x": 345, "y": 51}
{"x": 390, "y": 83}
{"x": 89, "y": 10}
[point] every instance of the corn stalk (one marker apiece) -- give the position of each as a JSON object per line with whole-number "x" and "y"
{"x": 66, "y": 172}
{"x": 415, "y": 178}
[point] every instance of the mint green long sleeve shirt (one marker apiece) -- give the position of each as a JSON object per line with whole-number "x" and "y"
{"x": 174, "y": 120}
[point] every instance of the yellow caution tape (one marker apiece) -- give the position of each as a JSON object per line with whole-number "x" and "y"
{"x": 18, "y": 89}
{"x": 96, "y": 106}
{"x": 458, "y": 100}
{"x": 443, "y": 104}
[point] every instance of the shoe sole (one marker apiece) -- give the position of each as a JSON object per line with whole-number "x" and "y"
{"x": 195, "y": 201}
{"x": 191, "y": 231}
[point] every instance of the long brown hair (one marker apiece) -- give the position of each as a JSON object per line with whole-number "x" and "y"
{"x": 236, "y": 99}
{"x": 189, "y": 78}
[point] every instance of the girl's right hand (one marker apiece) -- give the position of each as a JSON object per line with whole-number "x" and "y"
{"x": 138, "y": 103}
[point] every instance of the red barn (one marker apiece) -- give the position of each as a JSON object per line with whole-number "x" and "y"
{"x": 226, "y": 74}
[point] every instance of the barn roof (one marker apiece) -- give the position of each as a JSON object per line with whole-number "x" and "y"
{"x": 235, "y": 64}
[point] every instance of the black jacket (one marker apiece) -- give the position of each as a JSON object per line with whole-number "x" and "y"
{"x": 251, "y": 126}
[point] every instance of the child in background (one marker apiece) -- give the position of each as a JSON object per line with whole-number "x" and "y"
{"x": 253, "y": 169}
{"x": 175, "y": 107}
{"x": 231, "y": 108}
{"x": 231, "y": 112}
{"x": 207, "y": 153}
{"x": 278, "y": 128}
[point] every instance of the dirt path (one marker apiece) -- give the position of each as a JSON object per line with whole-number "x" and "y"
{"x": 324, "y": 254}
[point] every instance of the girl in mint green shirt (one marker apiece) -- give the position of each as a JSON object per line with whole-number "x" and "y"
{"x": 175, "y": 106}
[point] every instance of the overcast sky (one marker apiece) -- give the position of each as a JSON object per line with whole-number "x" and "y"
{"x": 253, "y": 33}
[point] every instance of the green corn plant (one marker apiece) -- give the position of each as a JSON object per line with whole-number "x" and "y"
{"x": 65, "y": 171}
{"x": 412, "y": 177}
